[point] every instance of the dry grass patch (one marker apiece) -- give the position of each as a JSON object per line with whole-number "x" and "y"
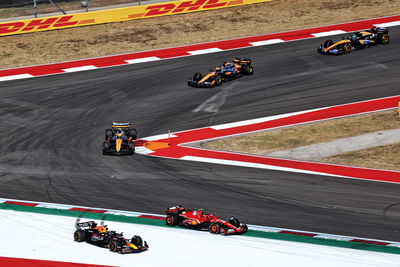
{"x": 381, "y": 157}
{"x": 147, "y": 34}
{"x": 307, "y": 134}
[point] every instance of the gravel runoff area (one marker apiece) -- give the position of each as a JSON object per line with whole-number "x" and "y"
{"x": 198, "y": 27}
{"x": 340, "y": 146}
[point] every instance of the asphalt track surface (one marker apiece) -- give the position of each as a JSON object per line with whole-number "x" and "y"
{"x": 53, "y": 127}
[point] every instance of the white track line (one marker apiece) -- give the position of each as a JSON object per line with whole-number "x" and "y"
{"x": 142, "y": 60}
{"x": 259, "y": 120}
{"x": 329, "y": 33}
{"x": 388, "y": 24}
{"x": 205, "y": 51}
{"x": 15, "y": 77}
{"x": 251, "y": 165}
{"x": 82, "y": 68}
{"x": 267, "y": 42}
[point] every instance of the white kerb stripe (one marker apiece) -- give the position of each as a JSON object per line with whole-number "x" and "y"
{"x": 252, "y": 165}
{"x": 259, "y": 120}
{"x": 388, "y": 24}
{"x": 142, "y": 60}
{"x": 82, "y": 68}
{"x": 15, "y": 77}
{"x": 205, "y": 51}
{"x": 158, "y": 137}
{"x": 329, "y": 33}
{"x": 267, "y": 42}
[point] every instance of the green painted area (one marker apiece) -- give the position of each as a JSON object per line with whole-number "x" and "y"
{"x": 161, "y": 223}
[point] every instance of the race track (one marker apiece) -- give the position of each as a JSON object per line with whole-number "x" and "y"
{"x": 52, "y": 131}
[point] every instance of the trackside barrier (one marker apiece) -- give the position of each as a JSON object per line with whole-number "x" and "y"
{"x": 118, "y": 14}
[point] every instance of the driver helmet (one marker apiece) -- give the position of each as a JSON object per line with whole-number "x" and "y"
{"x": 102, "y": 229}
{"x": 119, "y": 130}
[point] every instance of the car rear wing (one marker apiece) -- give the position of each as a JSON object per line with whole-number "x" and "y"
{"x": 121, "y": 124}
{"x": 175, "y": 210}
{"x": 242, "y": 60}
{"x": 89, "y": 224}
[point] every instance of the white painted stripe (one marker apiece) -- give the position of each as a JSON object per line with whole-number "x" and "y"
{"x": 335, "y": 237}
{"x": 54, "y": 206}
{"x": 142, "y": 60}
{"x": 15, "y": 77}
{"x": 142, "y": 150}
{"x": 158, "y": 137}
{"x": 205, "y": 51}
{"x": 329, "y": 33}
{"x": 267, "y": 42}
{"x": 259, "y": 120}
{"x": 388, "y": 24}
{"x": 82, "y": 68}
{"x": 251, "y": 165}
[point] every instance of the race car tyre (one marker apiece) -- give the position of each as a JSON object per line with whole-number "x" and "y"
{"x": 137, "y": 241}
{"x": 113, "y": 246}
{"x": 106, "y": 146}
{"x": 218, "y": 81}
{"x": 215, "y": 228}
{"x": 172, "y": 220}
{"x": 384, "y": 39}
{"x": 346, "y": 48}
{"x": 131, "y": 146}
{"x": 248, "y": 70}
{"x": 109, "y": 133}
{"x": 197, "y": 77}
{"x": 235, "y": 222}
{"x": 328, "y": 43}
{"x": 79, "y": 236}
{"x": 132, "y": 133}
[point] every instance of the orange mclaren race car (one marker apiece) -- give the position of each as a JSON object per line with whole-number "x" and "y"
{"x": 338, "y": 48}
{"x": 235, "y": 69}
{"x": 377, "y": 35}
{"x": 228, "y": 71}
{"x": 212, "y": 79}
{"x": 119, "y": 140}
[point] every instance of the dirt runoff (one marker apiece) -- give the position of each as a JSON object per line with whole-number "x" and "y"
{"x": 147, "y": 34}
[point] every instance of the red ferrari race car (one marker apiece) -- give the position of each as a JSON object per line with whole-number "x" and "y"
{"x": 100, "y": 236}
{"x": 198, "y": 220}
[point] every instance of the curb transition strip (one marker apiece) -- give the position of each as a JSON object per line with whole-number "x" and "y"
{"x": 180, "y": 144}
{"x": 158, "y": 220}
{"x": 191, "y": 50}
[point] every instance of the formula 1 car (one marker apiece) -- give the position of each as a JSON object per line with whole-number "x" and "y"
{"x": 197, "y": 220}
{"x": 212, "y": 79}
{"x": 229, "y": 71}
{"x": 100, "y": 236}
{"x": 331, "y": 48}
{"x": 237, "y": 68}
{"x": 119, "y": 140}
{"x": 377, "y": 35}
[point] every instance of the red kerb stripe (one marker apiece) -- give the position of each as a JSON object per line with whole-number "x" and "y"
{"x": 21, "y": 203}
{"x": 88, "y": 210}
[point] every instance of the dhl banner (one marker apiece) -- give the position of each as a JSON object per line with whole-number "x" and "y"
{"x": 118, "y": 14}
